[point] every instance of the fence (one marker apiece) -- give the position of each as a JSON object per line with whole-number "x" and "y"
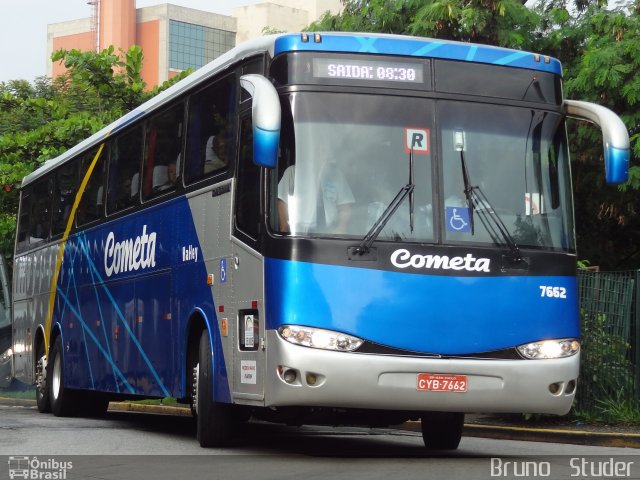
{"x": 610, "y": 367}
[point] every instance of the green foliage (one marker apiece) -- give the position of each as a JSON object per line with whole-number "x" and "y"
{"x": 40, "y": 121}
{"x": 618, "y": 410}
{"x": 496, "y": 22}
{"x": 583, "y": 264}
{"x": 104, "y": 79}
{"x": 606, "y": 371}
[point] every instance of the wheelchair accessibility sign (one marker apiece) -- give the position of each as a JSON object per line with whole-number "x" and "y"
{"x": 457, "y": 219}
{"x": 223, "y": 270}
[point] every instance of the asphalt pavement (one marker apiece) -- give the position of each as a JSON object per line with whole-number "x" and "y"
{"x": 476, "y": 425}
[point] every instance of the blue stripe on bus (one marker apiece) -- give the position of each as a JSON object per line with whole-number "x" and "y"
{"x": 417, "y": 47}
{"x": 147, "y": 357}
{"x": 78, "y": 317}
{"x": 416, "y": 312}
{"x": 120, "y": 317}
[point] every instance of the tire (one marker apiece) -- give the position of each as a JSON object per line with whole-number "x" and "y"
{"x": 42, "y": 382}
{"x": 442, "y": 430}
{"x": 64, "y": 402}
{"x": 213, "y": 420}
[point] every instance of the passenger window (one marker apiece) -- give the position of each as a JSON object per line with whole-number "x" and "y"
{"x": 163, "y": 152}
{"x": 210, "y": 133}
{"x": 64, "y": 191}
{"x": 40, "y": 212}
{"x": 125, "y": 153}
{"x": 247, "y": 184}
{"x": 91, "y": 205}
{"x": 23, "y": 221}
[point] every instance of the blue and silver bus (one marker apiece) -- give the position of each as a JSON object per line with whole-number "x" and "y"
{"x": 333, "y": 227}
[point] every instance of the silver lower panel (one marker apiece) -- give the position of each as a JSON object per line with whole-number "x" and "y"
{"x": 347, "y": 380}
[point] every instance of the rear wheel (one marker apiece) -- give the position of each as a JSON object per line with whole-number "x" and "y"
{"x": 213, "y": 420}
{"x": 63, "y": 400}
{"x": 442, "y": 430}
{"x": 42, "y": 381}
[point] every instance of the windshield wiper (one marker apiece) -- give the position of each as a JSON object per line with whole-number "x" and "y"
{"x": 488, "y": 215}
{"x": 479, "y": 203}
{"x": 379, "y": 224}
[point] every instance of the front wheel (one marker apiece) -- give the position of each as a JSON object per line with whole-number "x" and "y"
{"x": 442, "y": 430}
{"x": 214, "y": 420}
{"x": 63, "y": 400}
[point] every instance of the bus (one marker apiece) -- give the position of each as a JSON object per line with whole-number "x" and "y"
{"x": 330, "y": 228}
{"x": 6, "y": 353}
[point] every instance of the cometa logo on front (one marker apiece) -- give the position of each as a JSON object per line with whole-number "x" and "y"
{"x": 403, "y": 258}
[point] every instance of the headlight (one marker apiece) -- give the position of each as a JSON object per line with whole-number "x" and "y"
{"x": 565, "y": 347}
{"x": 6, "y": 356}
{"x": 319, "y": 338}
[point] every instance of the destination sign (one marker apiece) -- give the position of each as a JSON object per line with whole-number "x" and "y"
{"x": 368, "y": 70}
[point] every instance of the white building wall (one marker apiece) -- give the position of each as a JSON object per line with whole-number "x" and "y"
{"x": 280, "y": 15}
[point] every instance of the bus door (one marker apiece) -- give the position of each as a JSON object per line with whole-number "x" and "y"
{"x": 247, "y": 274}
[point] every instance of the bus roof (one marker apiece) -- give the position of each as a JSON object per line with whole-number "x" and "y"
{"x": 382, "y": 44}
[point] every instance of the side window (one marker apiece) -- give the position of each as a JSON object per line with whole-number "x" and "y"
{"x": 163, "y": 152}
{"x": 125, "y": 153}
{"x": 91, "y": 205}
{"x": 255, "y": 65}
{"x": 40, "y": 212}
{"x": 64, "y": 191}
{"x": 247, "y": 184}
{"x": 210, "y": 133}
{"x": 23, "y": 221}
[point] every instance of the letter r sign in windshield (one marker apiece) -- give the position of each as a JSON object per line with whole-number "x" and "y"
{"x": 416, "y": 139}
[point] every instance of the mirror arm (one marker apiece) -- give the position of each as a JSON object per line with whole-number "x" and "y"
{"x": 266, "y": 116}
{"x": 615, "y": 137}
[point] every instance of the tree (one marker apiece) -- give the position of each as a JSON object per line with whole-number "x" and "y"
{"x": 41, "y": 121}
{"x": 496, "y": 22}
{"x": 604, "y": 69}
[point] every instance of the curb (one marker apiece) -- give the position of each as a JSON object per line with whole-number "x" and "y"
{"x": 548, "y": 435}
{"x": 497, "y": 432}
{"x": 142, "y": 408}
{"x": 575, "y": 437}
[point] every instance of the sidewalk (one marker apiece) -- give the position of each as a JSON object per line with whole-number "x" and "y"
{"x": 476, "y": 425}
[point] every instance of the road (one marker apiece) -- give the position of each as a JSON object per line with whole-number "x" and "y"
{"x": 126, "y": 445}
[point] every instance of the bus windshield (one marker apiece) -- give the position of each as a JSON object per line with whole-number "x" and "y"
{"x": 345, "y": 157}
{"x": 343, "y": 160}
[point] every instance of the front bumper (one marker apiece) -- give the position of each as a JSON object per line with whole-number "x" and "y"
{"x": 352, "y": 380}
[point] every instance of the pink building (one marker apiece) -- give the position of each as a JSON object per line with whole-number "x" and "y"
{"x": 172, "y": 38}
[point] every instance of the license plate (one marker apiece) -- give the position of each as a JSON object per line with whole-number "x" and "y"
{"x": 435, "y": 382}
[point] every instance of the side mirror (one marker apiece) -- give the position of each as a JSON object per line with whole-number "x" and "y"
{"x": 615, "y": 137}
{"x": 265, "y": 112}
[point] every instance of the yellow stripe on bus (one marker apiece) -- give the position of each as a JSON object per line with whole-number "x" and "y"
{"x": 63, "y": 242}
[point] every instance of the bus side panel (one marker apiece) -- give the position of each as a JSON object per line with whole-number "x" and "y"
{"x": 23, "y": 363}
{"x": 124, "y": 320}
{"x": 211, "y": 213}
{"x": 31, "y": 294}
